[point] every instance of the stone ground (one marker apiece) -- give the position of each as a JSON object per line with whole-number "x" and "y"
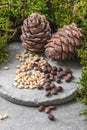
{"x": 28, "y": 118}
{"x": 34, "y": 97}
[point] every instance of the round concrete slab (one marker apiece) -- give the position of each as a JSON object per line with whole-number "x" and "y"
{"x": 35, "y": 97}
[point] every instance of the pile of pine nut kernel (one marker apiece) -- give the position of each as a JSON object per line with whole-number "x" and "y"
{"x": 26, "y": 75}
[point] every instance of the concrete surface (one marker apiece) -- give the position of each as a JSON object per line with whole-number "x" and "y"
{"x": 35, "y": 97}
{"x": 28, "y": 118}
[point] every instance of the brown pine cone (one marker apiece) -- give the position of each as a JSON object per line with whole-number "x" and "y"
{"x": 64, "y": 44}
{"x": 35, "y": 32}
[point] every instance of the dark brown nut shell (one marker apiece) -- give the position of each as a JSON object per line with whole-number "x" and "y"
{"x": 59, "y": 75}
{"x": 38, "y": 68}
{"x": 58, "y": 80}
{"x": 60, "y": 88}
{"x": 48, "y": 93}
{"x": 45, "y": 70}
{"x": 54, "y": 68}
{"x": 47, "y": 65}
{"x": 52, "y": 85}
{"x": 51, "y": 117}
{"x": 51, "y": 77}
{"x": 41, "y": 108}
{"x": 59, "y": 69}
{"x": 68, "y": 70}
{"x": 47, "y": 110}
{"x": 54, "y": 91}
{"x": 70, "y": 75}
{"x": 64, "y": 73}
{"x": 53, "y": 107}
{"x": 53, "y": 72}
{"x": 47, "y": 80}
{"x": 47, "y": 84}
{"x": 39, "y": 87}
{"x": 47, "y": 76}
{"x": 48, "y": 88}
{"x": 67, "y": 79}
{"x": 49, "y": 69}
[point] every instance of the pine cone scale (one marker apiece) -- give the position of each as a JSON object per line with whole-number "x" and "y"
{"x": 64, "y": 44}
{"x": 35, "y": 32}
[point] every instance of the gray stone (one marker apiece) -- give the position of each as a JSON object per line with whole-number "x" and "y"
{"x": 35, "y": 97}
{"x": 28, "y": 118}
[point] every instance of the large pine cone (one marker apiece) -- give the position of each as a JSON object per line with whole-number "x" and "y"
{"x": 64, "y": 44}
{"x": 35, "y": 32}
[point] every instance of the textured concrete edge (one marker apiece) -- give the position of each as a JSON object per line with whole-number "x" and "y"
{"x": 4, "y": 94}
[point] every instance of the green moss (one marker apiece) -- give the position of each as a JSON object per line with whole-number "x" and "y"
{"x": 4, "y": 37}
{"x": 82, "y": 53}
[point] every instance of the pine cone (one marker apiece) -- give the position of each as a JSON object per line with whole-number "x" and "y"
{"x": 35, "y": 32}
{"x": 64, "y": 44}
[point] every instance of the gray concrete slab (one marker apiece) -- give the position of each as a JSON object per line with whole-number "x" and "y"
{"x": 28, "y": 118}
{"x": 35, "y": 97}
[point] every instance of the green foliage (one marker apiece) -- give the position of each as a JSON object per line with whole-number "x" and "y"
{"x": 18, "y": 10}
{"x": 4, "y": 34}
{"x": 83, "y": 81}
{"x": 82, "y": 53}
{"x": 61, "y": 12}
{"x": 83, "y": 90}
{"x": 84, "y": 113}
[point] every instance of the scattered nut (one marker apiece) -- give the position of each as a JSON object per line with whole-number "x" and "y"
{"x": 20, "y": 86}
{"x": 41, "y": 108}
{"x": 59, "y": 69}
{"x": 40, "y": 87}
{"x": 48, "y": 93}
{"x": 52, "y": 85}
{"x": 45, "y": 70}
{"x": 47, "y": 76}
{"x": 60, "y": 89}
{"x": 68, "y": 70}
{"x": 63, "y": 73}
{"x": 53, "y": 72}
{"x": 47, "y": 109}
{"x": 46, "y": 80}
{"x": 25, "y": 76}
{"x": 1, "y": 117}
{"x": 54, "y": 91}
{"x": 51, "y": 117}
{"x": 18, "y": 66}
{"x": 59, "y": 75}
{"x": 52, "y": 107}
{"x": 51, "y": 77}
{"x": 49, "y": 69}
{"x": 47, "y": 84}
{"x": 15, "y": 84}
{"x": 54, "y": 68}
{"x": 58, "y": 80}
{"x": 5, "y": 116}
{"x": 68, "y": 77}
{"x": 47, "y": 88}
{"x": 6, "y": 68}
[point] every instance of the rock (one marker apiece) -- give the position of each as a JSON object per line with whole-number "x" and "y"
{"x": 35, "y": 97}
